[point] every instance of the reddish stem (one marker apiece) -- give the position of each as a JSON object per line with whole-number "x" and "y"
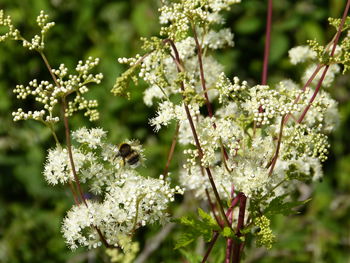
{"x": 171, "y": 151}
{"x": 201, "y": 72}
{"x": 267, "y": 43}
{"x": 216, "y": 234}
{"x": 195, "y": 136}
{"x": 211, "y": 245}
{"x": 307, "y": 84}
{"x": 237, "y": 245}
{"x": 275, "y": 157}
{"x": 75, "y": 196}
{"x": 319, "y": 84}
{"x": 229, "y": 241}
{"x": 336, "y": 39}
{"x": 70, "y": 153}
{"x": 69, "y": 146}
{"x": 204, "y": 87}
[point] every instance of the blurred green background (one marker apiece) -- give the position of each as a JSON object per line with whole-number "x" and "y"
{"x": 31, "y": 211}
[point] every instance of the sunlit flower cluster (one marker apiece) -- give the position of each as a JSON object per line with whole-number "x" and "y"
{"x": 37, "y": 42}
{"x": 126, "y": 200}
{"x": 12, "y": 32}
{"x": 248, "y": 127}
{"x": 49, "y": 94}
{"x": 129, "y": 203}
{"x": 179, "y": 15}
{"x": 254, "y": 140}
{"x": 158, "y": 69}
{"x": 300, "y": 54}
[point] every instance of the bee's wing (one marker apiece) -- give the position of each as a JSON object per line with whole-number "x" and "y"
{"x": 116, "y": 155}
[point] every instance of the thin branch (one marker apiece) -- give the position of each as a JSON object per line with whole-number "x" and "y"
{"x": 50, "y": 126}
{"x": 171, "y": 151}
{"x": 70, "y": 153}
{"x": 267, "y": 43}
{"x": 75, "y": 196}
{"x": 236, "y": 248}
{"x": 318, "y": 87}
{"x": 336, "y": 40}
{"x": 195, "y": 136}
{"x": 229, "y": 241}
{"x": 205, "y": 90}
{"x": 213, "y": 209}
{"x": 210, "y": 247}
{"x": 66, "y": 125}
{"x": 228, "y": 214}
{"x": 49, "y": 68}
{"x": 307, "y": 84}
{"x": 201, "y": 72}
{"x": 69, "y": 147}
{"x": 103, "y": 239}
{"x": 275, "y": 157}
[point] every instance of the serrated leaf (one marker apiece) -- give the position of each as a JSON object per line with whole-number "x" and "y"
{"x": 227, "y": 232}
{"x": 185, "y": 240}
{"x": 206, "y": 217}
{"x": 277, "y": 206}
{"x": 185, "y": 220}
{"x": 197, "y": 227}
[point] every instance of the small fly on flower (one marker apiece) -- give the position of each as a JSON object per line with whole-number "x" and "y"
{"x": 129, "y": 154}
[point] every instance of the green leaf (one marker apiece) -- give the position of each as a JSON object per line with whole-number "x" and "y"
{"x": 206, "y": 217}
{"x": 185, "y": 240}
{"x": 277, "y": 206}
{"x": 196, "y": 227}
{"x": 227, "y": 232}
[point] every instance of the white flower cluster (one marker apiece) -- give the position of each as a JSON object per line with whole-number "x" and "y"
{"x": 180, "y": 15}
{"x": 93, "y": 137}
{"x": 248, "y": 126}
{"x": 128, "y": 200}
{"x": 58, "y": 169}
{"x": 158, "y": 68}
{"x": 267, "y": 103}
{"x": 12, "y": 33}
{"x": 169, "y": 111}
{"x": 250, "y": 150}
{"x": 227, "y": 89}
{"x": 300, "y": 54}
{"x": 49, "y": 94}
{"x": 254, "y": 140}
{"x": 37, "y": 42}
{"x": 130, "y": 203}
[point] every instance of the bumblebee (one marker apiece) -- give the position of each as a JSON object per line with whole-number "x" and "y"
{"x": 129, "y": 155}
